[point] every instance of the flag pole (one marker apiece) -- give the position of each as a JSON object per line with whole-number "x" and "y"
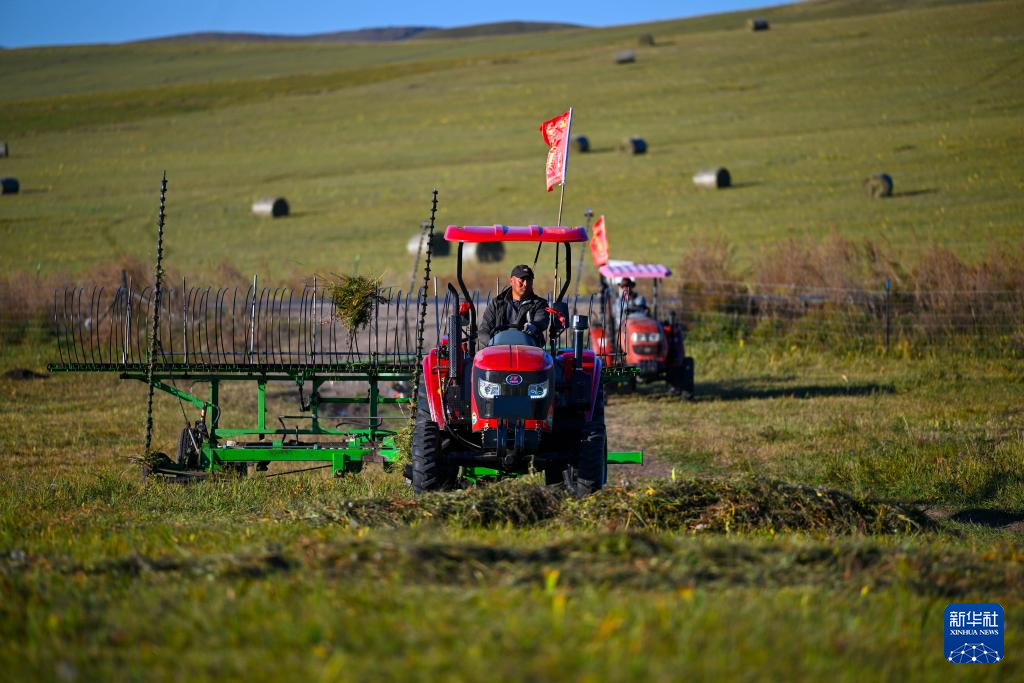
{"x": 561, "y": 193}
{"x": 588, "y": 214}
{"x": 565, "y": 166}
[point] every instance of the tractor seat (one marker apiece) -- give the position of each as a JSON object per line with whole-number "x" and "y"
{"x": 514, "y": 337}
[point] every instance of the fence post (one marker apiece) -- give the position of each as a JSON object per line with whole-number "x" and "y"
{"x": 888, "y": 319}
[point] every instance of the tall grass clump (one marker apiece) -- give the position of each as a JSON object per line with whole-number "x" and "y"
{"x": 856, "y": 296}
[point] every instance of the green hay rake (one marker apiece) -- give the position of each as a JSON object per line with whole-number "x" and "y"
{"x": 260, "y": 335}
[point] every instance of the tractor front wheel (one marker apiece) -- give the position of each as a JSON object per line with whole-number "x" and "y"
{"x": 592, "y": 472}
{"x": 430, "y": 469}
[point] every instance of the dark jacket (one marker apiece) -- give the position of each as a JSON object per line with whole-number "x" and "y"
{"x": 501, "y": 315}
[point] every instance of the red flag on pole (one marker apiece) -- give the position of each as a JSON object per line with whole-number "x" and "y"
{"x": 599, "y": 243}
{"x": 556, "y": 135}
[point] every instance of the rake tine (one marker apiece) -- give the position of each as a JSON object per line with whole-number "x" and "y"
{"x": 222, "y": 296}
{"x": 95, "y": 336}
{"x": 135, "y": 311}
{"x": 56, "y": 327}
{"x": 245, "y": 331}
{"x": 210, "y": 341}
{"x": 77, "y": 301}
{"x": 285, "y": 341}
{"x": 140, "y": 340}
{"x": 289, "y": 336}
{"x": 282, "y": 354}
{"x": 303, "y": 340}
{"x": 186, "y": 296}
{"x": 109, "y": 315}
{"x": 65, "y": 326}
{"x": 376, "y": 324}
{"x": 198, "y": 319}
{"x": 268, "y": 324}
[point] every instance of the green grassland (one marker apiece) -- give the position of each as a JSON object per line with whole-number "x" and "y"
{"x": 306, "y": 577}
{"x": 807, "y": 518}
{"x": 356, "y": 136}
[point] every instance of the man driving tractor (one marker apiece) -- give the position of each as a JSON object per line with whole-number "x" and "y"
{"x": 630, "y": 301}
{"x": 517, "y": 307}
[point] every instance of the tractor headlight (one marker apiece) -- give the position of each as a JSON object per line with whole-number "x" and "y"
{"x": 645, "y": 337}
{"x": 539, "y": 390}
{"x": 488, "y": 389}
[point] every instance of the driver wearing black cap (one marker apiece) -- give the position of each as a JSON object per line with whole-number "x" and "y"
{"x": 517, "y": 307}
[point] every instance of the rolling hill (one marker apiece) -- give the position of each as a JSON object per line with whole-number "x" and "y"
{"x": 355, "y": 136}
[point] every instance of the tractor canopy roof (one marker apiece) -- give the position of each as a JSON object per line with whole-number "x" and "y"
{"x": 514, "y": 233}
{"x": 635, "y": 270}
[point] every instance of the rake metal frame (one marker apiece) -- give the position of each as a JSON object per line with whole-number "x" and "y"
{"x": 216, "y": 336}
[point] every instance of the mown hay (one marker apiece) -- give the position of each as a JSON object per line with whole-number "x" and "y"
{"x": 403, "y": 443}
{"x": 698, "y": 505}
{"x": 513, "y": 502}
{"x": 355, "y": 298}
{"x": 728, "y": 506}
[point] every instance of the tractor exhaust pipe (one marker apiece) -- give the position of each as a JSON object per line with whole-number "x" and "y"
{"x": 454, "y": 339}
{"x": 580, "y": 323}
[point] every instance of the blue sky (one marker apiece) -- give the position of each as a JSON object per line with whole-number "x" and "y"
{"x": 26, "y": 23}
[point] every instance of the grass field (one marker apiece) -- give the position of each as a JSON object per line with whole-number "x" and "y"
{"x": 356, "y": 137}
{"x": 807, "y": 518}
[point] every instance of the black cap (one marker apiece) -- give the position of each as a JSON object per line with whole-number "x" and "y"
{"x": 522, "y": 271}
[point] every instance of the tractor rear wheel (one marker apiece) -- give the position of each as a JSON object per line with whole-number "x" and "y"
{"x": 681, "y": 379}
{"x": 688, "y": 387}
{"x": 430, "y": 469}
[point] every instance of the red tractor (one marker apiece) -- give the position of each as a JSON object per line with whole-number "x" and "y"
{"x": 631, "y": 333}
{"x": 511, "y": 407}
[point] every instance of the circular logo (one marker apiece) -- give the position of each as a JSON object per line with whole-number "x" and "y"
{"x": 514, "y": 380}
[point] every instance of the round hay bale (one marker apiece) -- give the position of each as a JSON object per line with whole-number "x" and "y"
{"x": 625, "y": 57}
{"x": 878, "y": 185}
{"x": 580, "y": 143}
{"x": 439, "y": 246}
{"x": 713, "y": 178}
{"x": 9, "y": 186}
{"x": 758, "y": 24}
{"x": 270, "y": 206}
{"x": 3, "y": 149}
{"x": 484, "y": 252}
{"x": 646, "y": 40}
{"x": 634, "y": 145}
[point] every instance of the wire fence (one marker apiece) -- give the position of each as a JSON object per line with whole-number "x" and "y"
{"x": 854, "y": 317}
{"x": 282, "y": 325}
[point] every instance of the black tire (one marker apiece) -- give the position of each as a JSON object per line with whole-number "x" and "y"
{"x": 188, "y": 453}
{"x": 688, "y": 388}
{"x": 592, "y": 471}
{"x": 430, "y": 471}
